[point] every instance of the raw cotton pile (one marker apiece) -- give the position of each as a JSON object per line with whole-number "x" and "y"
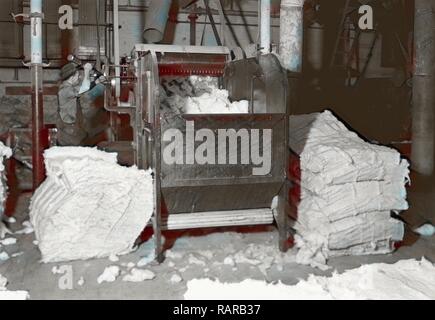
{"x": 348, "y": 190}
{"x": 198, "y": 95}
{"x": 404, "y": 280}
{"x": 11, "y": 295}
{"x": 5, "y": 153}
{"x": 89, "y": 206}
{"x": 215, "y": 102}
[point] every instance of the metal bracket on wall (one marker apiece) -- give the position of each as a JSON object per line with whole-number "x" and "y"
{"x": 27, "y": 16}
{"x": 29, "y": 64}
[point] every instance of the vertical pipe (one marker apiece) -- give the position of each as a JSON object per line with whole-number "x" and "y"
{"x": 291, "y": 34}
{"x": 222, "y": 21}
{"x": 156, "y": 19}
{"x": 423, "y": 89}
{"x": 314, "y": 46}
{"x": 116, "y": 55}
{"x": 66, "y": 39}
{"x": 37, "y": 91}
{"x": 265, "y": 27}
{"x": 193, "y": 17}
{"x": 97, "y": 19}
{"x": 36, "y": 31}
{"x": 213, "y": 24}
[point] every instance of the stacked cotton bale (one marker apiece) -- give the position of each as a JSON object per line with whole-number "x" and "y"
{"x": 89, "y": 206}
{"x": 348, "y": 190}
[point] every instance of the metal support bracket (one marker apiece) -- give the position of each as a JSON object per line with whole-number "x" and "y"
{"x": 29, "y": 64}
{"x": 27, "y": 15}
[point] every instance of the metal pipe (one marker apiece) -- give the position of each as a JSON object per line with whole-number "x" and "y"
{"x": 314, "y": 46}
{"x": 36, "y": 18}
{"x": 36, "y": 31}
{"x": 156, "y": 19}
{"x": 423, "y": 108}
{"x": 143, "y": 8}
{"x": 221, "y": 21}
{"x": 265, "y": 29}
{"x": 116, "y": 56}
{"x": 97, "y": 19}
{"x": 193, "y": 17}
{"x": 291, "y": 34}
{"x": 212, "y": 22}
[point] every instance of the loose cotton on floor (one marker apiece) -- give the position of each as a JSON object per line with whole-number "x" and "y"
{"x": 5, "y": 294}
{"x": 406, "y": 279}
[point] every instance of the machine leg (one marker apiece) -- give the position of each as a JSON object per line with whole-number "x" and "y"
{"x": 158, "y": 235}
{"x": 159, "y": 246}
{"x": 157, "y": 223}
{"x": 282, "y": 219}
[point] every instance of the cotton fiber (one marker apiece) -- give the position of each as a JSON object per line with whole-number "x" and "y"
{"x": 89, "y": 206}
{"x": 349, "y": 188}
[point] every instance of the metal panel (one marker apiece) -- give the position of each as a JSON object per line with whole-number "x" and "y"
{"x": 178, "y": 175}
{"x": 11, "y": 33}
{"x": 221, "y": 197}
{"x": 88, "y": 30}
{"x": 189, "y": 60}
{"x": 196, "y": 188}
{"x": 181, "y": 49}
{"x": 217, "y": 219}
{"x": 51, "y": 31}
{"x": 261, "y": 81}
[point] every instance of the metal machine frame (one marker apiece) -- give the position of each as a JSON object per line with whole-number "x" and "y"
{"x": 210, "y": 196}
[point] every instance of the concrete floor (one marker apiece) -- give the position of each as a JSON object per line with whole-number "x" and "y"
{"x": 192, "y": 257}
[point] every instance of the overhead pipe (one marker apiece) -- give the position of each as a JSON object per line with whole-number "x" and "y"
{"x": 291, "y": 34}
{"x": 36, "y": 17}
{"x": 156, "y": 19}
{"x": 423, "y": 104}
{"x": 265, "y": 27}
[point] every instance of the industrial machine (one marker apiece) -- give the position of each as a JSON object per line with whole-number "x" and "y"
{"x": 208, "y": 195}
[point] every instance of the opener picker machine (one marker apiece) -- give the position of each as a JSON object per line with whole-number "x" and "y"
{"x": 205, "y": 196}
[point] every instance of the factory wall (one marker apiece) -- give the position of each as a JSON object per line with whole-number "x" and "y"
{"x": 378, "y": 106}
{"x": 15, "y": 108}
{"x": 16, "y": 113}
{"x": 383, "y": 116}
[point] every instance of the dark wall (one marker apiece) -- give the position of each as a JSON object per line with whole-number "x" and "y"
{"x": 379, "y": 109}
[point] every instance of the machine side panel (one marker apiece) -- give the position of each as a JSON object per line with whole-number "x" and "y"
{"x": 205, "y": 187}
